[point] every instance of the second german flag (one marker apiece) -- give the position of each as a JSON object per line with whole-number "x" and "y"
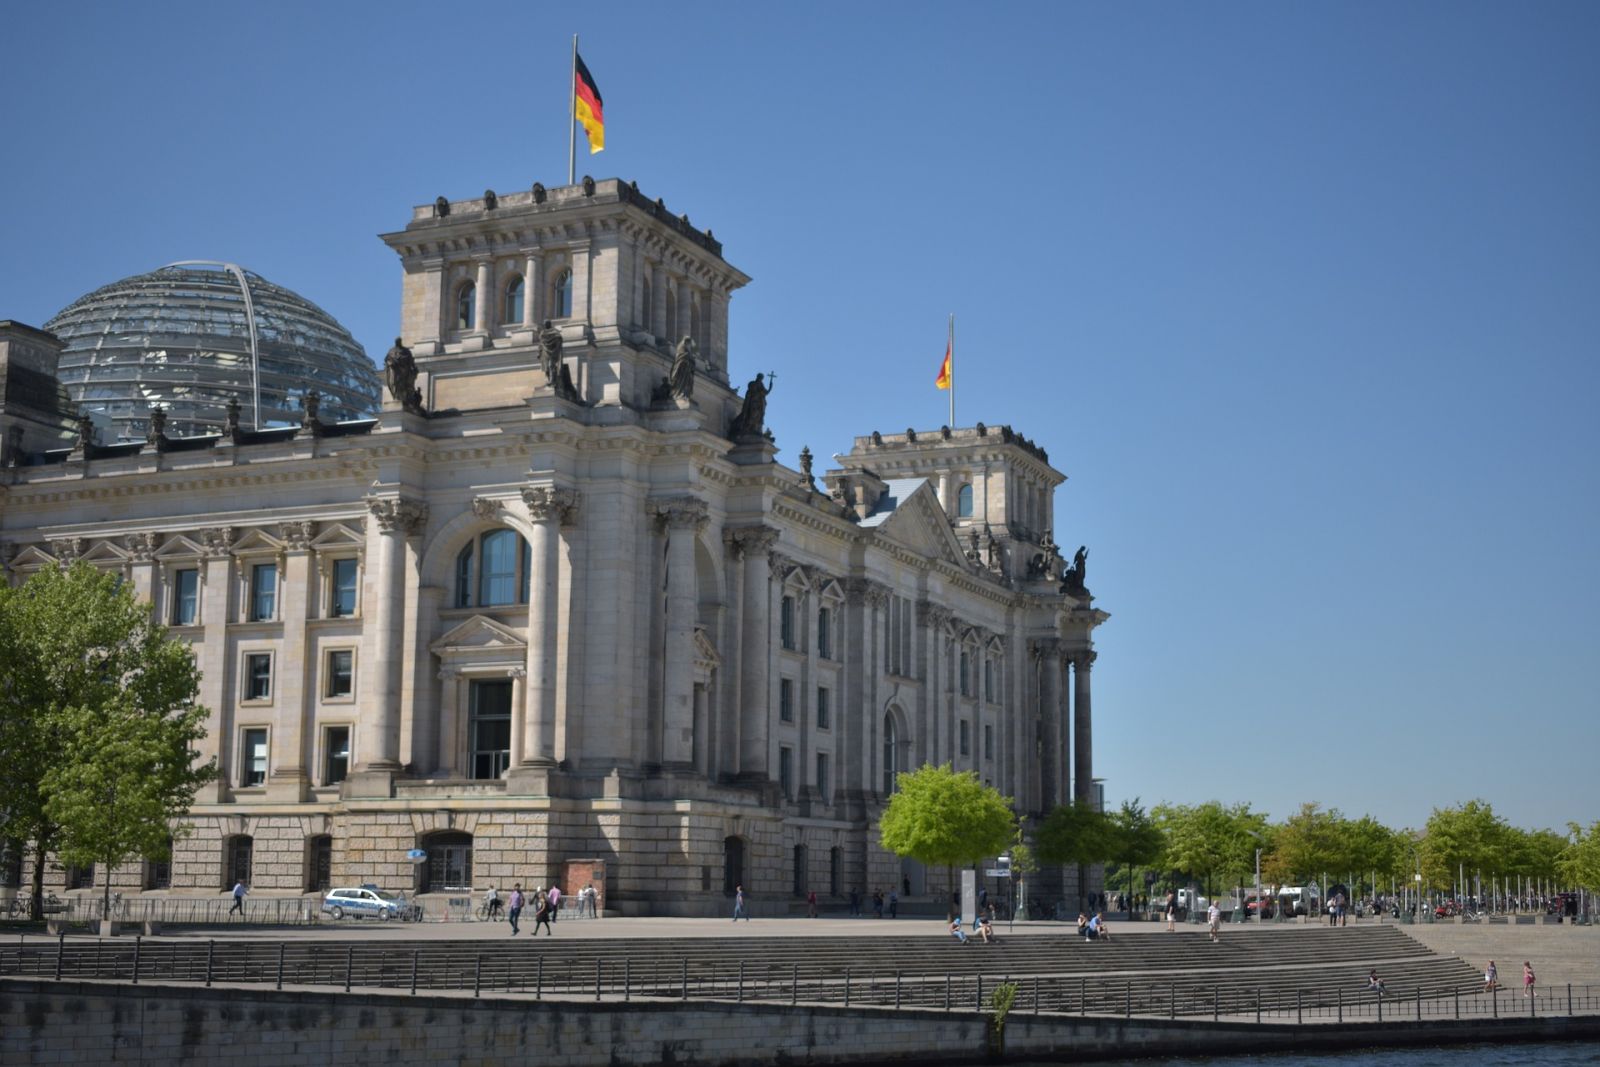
{"x": 587, "y": 107}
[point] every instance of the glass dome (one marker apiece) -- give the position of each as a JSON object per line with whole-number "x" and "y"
{"x": 192, "y": 336}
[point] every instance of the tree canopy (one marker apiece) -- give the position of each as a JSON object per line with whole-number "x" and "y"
{"x": 1212, "y": 842}
{"x": 945, "y": 817}
{"x": 98, "y": 722}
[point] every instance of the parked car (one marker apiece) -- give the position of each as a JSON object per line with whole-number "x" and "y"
{"x": 370, "y": 902}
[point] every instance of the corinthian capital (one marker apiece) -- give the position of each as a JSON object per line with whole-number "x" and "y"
{"x": 218, "y": 540}
{"x": 681, "y": 512}
{"x": 67, "y": 549}
{"x": 1044, "y": 648}
{"x": 142, "y": 546}
{"x": 547, "y": 503}
{"x": 749, "y": 541}
{"x": 297, "y": 535}
{"x": 397, "y": 514}
{"x": 1083, "y": 659}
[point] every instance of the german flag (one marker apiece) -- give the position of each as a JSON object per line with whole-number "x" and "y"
{"x": 587, "y": 107}
{"x": 945, "y": 377}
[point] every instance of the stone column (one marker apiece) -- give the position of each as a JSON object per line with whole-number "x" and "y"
{"x": 1082, "y": 730}
{"x": 289, "y": 780}
{"x": 1047, "y": 661}
{"x": 216, "y": 576}
{"x": 683, "y": 518}
{"x": 754, "y": 543}
{"x": 378, "y": 730}
{"x": 549, "y": 508}
{"x": 532, "y": 293}
{"x": 482, "y": 305}
{"x": 141, "y": 568}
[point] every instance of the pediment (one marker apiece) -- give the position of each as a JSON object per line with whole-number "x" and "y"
{"x": 105, "y": 552}
{"x": 179, "y": 547}
{"x": 32, "y": 558}
{"x": 257, "y": 541}
{"x": 705, "y": 653}
{"x": 338, "y": 535}
{"x": 477, "y": 634}
{"x": 919, "y": 524}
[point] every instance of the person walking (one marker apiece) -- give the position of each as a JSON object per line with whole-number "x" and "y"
{"x": 877, "y": 903}
{"x": 239, "y": 891}
{"x": 1214, "y": 921}
{"x": 514, "y": 909}
{"x": 1491, "y": 977}
{"x": 811, "y": 904}
{"x": 1172, "y": 911}
{"x": 555, "y": 903}
{"x": 894, "y": 904}
{"x": 738, "y": 904}
{"x": 491, "y": 904}
{"x": 1527, "y": 979}
{"x": 541, "y": 913}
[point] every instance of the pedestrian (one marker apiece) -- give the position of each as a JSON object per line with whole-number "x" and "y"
{"x": 1172, "y": 911}
{"x": 592, "y": 898}
{"x": 738, "y": 904}
{"x": 1374, "y": 983}
{"x": 986, "y": 930}
{"x": 541, "y": 913}
{"x": 877, "y": 903}
{"x": 1527, "y": 979}
{"x": 491, "y": 901}
{"x": 239, "y": 891}
{"x": 1214, "y": 920}
{"x": 555, "y": 903}
{"x": 956, "y": 931}
{"x": 1101, "y": 930}
{"x": 514, "y": 908}
{"x": 855, "y": 902}
{"x": 894, "y": 904}
{"x": 1491, "y": 977}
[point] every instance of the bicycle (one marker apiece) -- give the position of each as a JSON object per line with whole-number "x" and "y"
{"x": 488, "y": 911}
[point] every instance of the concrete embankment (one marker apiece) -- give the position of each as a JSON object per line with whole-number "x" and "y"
{"x": 90, "y": 1022}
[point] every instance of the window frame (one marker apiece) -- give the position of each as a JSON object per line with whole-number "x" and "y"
{"x": 964, "y": 501}
{"x": 261, "y": 605}
{"x": 248, "y": 757}
{"x": 786, "y": 700}
{"x": 964, "y": 737}
{"x": 334, "y": 609}
{"x": 329, "y": 675}
{"x": 499, "y": 758}
{"x": 176, "y": 613}
{"x": 466, "y": 312}
{"x": 247, "y": 676}
{"x": 514, "y": 283}
{"x": 825, "y": 632}
{"x": 786, "y": 771}
{"x": 824, "y": 775}
{"x": 561, "y": 294}
{"x": 786, "y": 636}
{"x": 329, "y": 752}
{"x": 824, "y": 708}
{"x": 470, "y": 575}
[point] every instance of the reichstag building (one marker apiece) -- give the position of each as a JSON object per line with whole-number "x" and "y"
{"x": 536, "y": 598}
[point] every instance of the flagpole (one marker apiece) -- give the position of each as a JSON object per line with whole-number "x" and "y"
{"x": 952, "y": 346}
{"x": 572, "y": 115}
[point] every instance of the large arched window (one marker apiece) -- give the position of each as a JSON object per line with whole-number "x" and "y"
{"x": 891, "y": 752}
{"x": 964, "y": 502}
{"x": 467, "y": 307}
{"x": 449, "y": 863}
{"x": 511, "y": 308}
{"x": 561, "y": 296}
{"x": 492, "y": 570}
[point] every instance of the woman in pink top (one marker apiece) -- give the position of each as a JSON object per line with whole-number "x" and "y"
{"x": 1527, "y": 979}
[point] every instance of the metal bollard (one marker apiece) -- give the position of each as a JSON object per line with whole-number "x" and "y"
{"x": 597, "y": 965}
{"x": 211, "y": 950}
{"x": 1299, "y": 1011}
{"x": 1341, "y": 1005}
{"x": 897, "y": 989}
{"x": 1172, "y": 1009}
{"x": 1258, "y": 1006}
{"x": 1083, "y": 996}
{"x": 349, "y": 964}
{"x": 847, "y": 987}
{"x": 1216, "y": 1004}
{"x": 280, "y": 964}
{"x": 1419, "y": 1004}
{"x": 1494, "y": 996}
{"x": 1569, "y": 998}
{"x": 477, "y": 977}
{"x": 627, "y": 978}
{"x": 1127, "y": 1004}
{"x": 61, "y": 950}
{"x": 1458, "y": 1002}
{"x": 794, "y": 986}
{"x": 414, "y": 959}
{"x": 1036, "y": 994}
{"x": 538, "y": 980}
{"x": 98, "y": 940}
{"x": 741, "y": 982}
{"x": 137, "y": 944}
{"x": 685, "y": 979}
{"x": 979, "y": 1005}
{"x": 1379, "y": 998}
{"x": 947, "y": 991}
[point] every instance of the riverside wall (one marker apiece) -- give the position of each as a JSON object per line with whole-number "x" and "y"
{"x": 86, "y": 1022}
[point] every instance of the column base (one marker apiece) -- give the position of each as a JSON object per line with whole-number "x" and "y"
{"x": 369, "y": 783}
{"x": 530, "y": 780}
{"x": 289, "y": 788}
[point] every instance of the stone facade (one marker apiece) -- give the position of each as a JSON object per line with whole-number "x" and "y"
{"x": 520, "y": 626}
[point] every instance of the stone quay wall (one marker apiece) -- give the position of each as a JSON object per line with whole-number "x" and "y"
{"x": 81, "y": 1022}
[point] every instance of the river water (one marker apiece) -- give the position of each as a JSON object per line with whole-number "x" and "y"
{"x": 1543, "y": 1054}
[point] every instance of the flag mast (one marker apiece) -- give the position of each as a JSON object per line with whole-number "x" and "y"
{"x": 952, "y": 347}
{"x": 572, "y": 115}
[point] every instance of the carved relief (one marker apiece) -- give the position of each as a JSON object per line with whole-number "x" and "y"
{"x": 745, "y": 541}
{"x": 397, "y": 514}
{"x": 486, "y": 508}
{"x": 67, "y": 549}
{"x": 547, "y": 502}
{"x": 297, "y": 535}
{"x": 218, "y": 540}
{"x": 681, "y": 512}
{"x": 142, "y": 546}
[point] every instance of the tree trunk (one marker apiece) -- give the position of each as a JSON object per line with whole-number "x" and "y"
{"x": 36, "y": 911}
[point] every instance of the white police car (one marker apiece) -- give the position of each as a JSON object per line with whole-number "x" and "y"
{"x": 367, "y": 901}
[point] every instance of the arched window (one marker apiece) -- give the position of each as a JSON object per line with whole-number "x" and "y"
{"x": 467, "y": 307}
{"x": 964, "y": 502}
{"x": 561, "y": 296}
{"x": 647, "y": 310}
{"x": 891, "y": 753}
{"x": 493, "y": 570}
{"x": 511, "y": 311}
{"x": 449, "y": 864}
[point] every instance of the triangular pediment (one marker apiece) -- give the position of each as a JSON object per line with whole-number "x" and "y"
{"x": 179, "y": 547}
{"x": 338, "y": 535}
{"x": 478, "y": 633}
{"x": 257, "y": 541}
{"x": 705, "y": 653}
{"x": 919, "y": 524}
{"x": 32, "y": 558}
{"x": 105, "y": 552}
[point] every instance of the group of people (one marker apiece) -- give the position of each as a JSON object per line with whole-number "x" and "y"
{"x": 1093, "y": 927}
{"x": 983, "y": 926}
{"x": 546, "y": 904}
{"x": 1491, "y": 979}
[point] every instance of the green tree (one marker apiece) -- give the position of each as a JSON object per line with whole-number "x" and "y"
{"x": 1211, "y": 841}
{"x": 1310, "y": 842}
{"x": 99, "y": 722}
{"x": 943, "y": 817}
{"x": 1136, "y": 840}
{"x": 1470, "y": 836}
{"x": 1371, "y": 849}
{"x": 1579, "y": 862}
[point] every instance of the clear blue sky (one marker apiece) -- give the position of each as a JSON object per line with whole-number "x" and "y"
{"x": 1304, "y": 299}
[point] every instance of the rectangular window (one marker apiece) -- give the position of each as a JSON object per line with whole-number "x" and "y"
{"x": 341, "y": 673}
{"x": 253, "y": 757}
{"x": 343, "y": 599}
{"x": 988, "y": 741}
{"x": 490, "y": 728}
{"x": 335, "y": 754}
{"x": 966, "y": 688}
{"x": 263, "y": 592}
{"x": 785, "y": 700}
{"x": 786, "y": 771}
{"x": 966, "y": 739}
{"x": 258, "y": 676}
{"x": 824, "y": 713}
{"x": 824, "y": 634}
{"x": 786, "y": 622}
{"x": 822, "y": 774}
{"x": 185, "y": 597}
{"x": 988, "y": 680}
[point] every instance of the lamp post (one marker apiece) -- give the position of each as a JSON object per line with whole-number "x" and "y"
{"x": 1259, "y": 841}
